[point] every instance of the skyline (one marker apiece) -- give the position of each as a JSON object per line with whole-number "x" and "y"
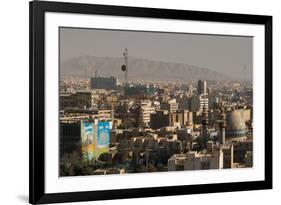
{"x": 228, "y": 55}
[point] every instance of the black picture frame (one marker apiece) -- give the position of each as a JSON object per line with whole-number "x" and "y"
{"x": 37, "y": 128}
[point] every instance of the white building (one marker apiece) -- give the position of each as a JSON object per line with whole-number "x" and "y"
{"x": 197, "y": 102}
{"x": 146, "y": 109}
{"x": 174, "y": 106}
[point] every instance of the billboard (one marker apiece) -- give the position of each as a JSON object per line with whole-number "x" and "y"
{"x": 87, "y": 141}
{"x": 103, "y": 138}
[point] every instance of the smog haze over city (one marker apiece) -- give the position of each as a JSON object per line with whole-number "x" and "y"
{"x": 230, "y": 56}
{"x": 139, "y": 102}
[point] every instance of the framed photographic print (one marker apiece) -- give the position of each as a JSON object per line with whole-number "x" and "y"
{"x": 140, "y": 102}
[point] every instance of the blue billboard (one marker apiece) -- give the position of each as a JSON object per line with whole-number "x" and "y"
{"x": 87, "y": 141}
{"x": 103, "y": 137}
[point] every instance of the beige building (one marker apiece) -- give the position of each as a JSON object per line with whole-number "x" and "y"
{"x": 214, "y": 158}
{"x": 146, "y": 109}
{"x": 78, "y": 99}
{"x": 105, "y": 115}
{"x": 183, "y": 117}
{"x": 172, "y": 106}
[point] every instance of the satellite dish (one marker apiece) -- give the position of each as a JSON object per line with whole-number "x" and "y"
{"x": 123, "y": 68}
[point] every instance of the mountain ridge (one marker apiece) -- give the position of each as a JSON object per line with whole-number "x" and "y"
{"x": 139, "y": 69}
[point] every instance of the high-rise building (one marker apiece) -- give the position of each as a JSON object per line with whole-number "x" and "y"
{"x": 144, "y": 114}
{"x": 204, "y": 102}
{"x": 205, "y": 122}
{"x": 202, "y": 87}
{"x": 197, "y": 102}
{"x": 108, "y": 83}
{"x": 172, "y": 106}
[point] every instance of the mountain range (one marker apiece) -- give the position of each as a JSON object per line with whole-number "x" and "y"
{"x": 138, "y": 69}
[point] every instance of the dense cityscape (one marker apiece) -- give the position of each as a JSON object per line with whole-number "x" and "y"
{"x": 112, "y": 126}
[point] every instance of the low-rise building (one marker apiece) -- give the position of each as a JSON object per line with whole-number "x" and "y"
{"x": 216, "y": 157}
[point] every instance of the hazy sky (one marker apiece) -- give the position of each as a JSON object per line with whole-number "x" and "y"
{"x": 225, "y": 54}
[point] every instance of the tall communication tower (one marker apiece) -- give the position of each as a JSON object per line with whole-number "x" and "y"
{"x": 124, "y": 67}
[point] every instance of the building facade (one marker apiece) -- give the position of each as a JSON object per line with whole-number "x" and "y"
{"x": 108, "y": 83}
{"x": 202, "y": 87}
